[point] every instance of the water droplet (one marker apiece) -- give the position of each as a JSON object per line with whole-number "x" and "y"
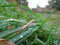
{"x": 21, "y": 36}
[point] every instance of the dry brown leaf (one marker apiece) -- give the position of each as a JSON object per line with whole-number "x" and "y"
{"x": 5, "y": 42}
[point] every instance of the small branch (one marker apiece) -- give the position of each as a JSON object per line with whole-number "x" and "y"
{"x": 25, "y": 26}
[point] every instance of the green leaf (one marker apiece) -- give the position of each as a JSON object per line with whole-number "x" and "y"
{"x": 3, "y": 25}
{"x": 7, "y": 32}
{"x": 22, "y": 36}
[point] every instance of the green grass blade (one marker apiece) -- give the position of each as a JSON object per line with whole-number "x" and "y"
{"x": 24, "y": 34}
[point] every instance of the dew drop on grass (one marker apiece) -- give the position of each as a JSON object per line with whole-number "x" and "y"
{"x": 21, "y": 36}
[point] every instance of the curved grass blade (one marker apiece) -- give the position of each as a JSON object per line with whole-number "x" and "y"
{"x": 3, "y": 25}
{"x": 24, "y": 35}
{"x": 7, "y": 32}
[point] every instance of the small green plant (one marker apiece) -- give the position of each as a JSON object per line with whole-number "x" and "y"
{"x": 27, "y": 27}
